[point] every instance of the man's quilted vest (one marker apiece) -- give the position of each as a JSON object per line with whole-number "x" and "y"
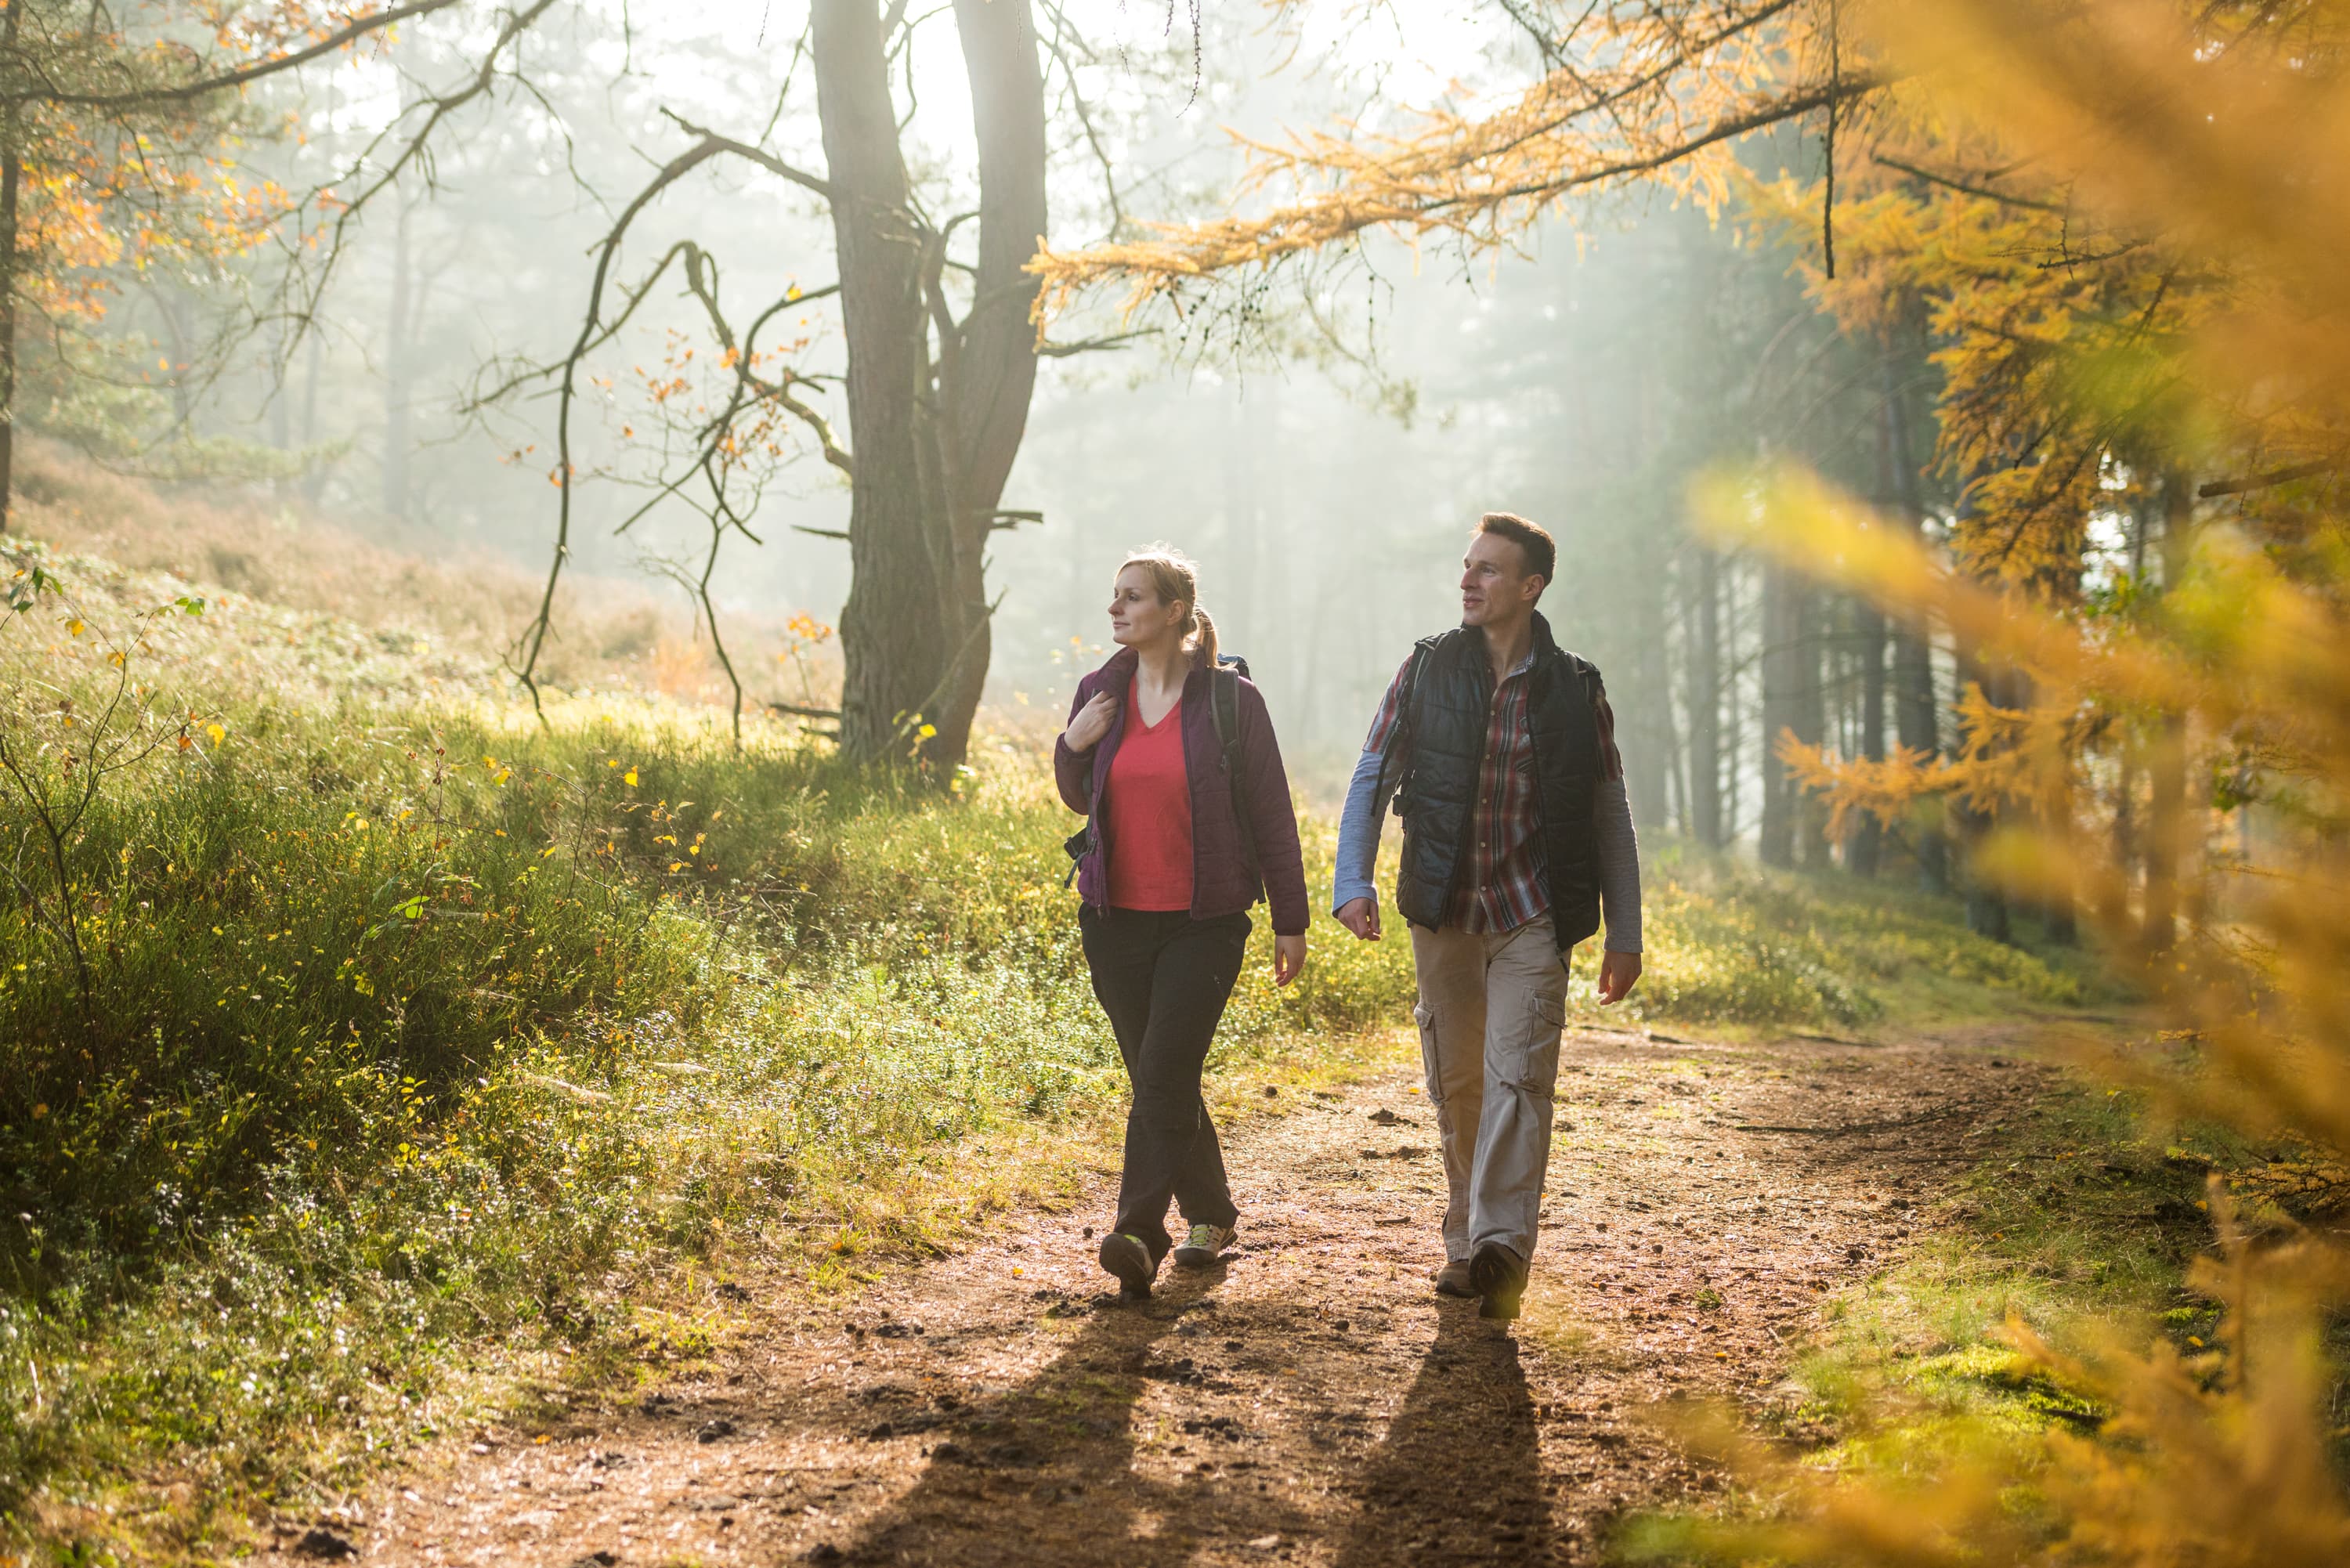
{"x": 1434, "y": 753}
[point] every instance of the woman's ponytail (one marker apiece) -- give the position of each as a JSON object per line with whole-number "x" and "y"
{"x": 1204, "y": 640}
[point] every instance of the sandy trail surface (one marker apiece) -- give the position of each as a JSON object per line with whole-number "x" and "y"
{"x": 1309, "y": 1399}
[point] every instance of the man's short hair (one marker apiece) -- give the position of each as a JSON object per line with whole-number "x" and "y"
{"x": 1541, "y": 549}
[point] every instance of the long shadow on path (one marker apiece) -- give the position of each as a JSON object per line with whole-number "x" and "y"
{"x": 1070, "y": 1468}
{"x": 1052, "y": 1471}
{"x": 1458, "y": 1477}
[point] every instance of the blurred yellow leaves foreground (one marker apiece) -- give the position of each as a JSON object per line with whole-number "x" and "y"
{"x": 2160, "y": 337}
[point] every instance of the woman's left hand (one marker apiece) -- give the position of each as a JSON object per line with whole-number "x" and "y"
{"x": 1288, "y": 958}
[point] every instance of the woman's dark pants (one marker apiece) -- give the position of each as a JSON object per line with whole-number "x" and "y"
{"x": 1163, "y": 978}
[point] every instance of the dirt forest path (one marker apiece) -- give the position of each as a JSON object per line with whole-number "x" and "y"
{"x": 1310, "y": 1400}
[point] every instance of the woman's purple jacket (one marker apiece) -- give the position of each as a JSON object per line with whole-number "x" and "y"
{"x": 1221, "y": 882}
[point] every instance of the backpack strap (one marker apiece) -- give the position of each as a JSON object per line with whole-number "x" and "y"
{"x": 1225, "y": 701}
{"x": 1400, "y": 739}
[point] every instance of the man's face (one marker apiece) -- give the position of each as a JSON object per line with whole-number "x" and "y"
{"x": 1494, "y": 583}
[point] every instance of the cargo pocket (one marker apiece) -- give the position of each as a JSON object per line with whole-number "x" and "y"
{"x": 1428, "y": 1057}
{"x": 1546, "y": 1020}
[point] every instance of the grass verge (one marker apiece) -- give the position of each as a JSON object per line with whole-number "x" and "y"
{"x": 2080, "y": 1227}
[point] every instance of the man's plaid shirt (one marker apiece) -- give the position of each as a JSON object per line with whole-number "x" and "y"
{"x": 1506, "y": 885}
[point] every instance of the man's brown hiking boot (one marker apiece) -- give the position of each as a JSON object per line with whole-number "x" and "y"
{"x": 1452, "y": 1280}
{"x": 1500, "y": 1276}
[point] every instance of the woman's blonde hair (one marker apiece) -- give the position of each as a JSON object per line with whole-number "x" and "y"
{"x": 1175, "y": 578}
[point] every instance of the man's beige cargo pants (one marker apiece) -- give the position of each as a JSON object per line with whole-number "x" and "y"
{"x": 1492, "y": 1006}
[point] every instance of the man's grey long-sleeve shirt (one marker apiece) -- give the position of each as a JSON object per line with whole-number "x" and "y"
{"x": 1617, "y": 844}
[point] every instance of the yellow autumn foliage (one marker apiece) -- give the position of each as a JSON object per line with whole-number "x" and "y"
{"x": 2207, "y": 143}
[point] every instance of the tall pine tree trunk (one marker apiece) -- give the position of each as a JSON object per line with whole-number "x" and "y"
{"x": 1703, "y": 688}
{"x": 1809, "y": 720}
{"x": 1863, "y": 850}
{"x": 1916, "y": 714}
{"x": 1987, "y": 913}
{"x": 1645, "y": 709}
{"x": 1783, "y": 705}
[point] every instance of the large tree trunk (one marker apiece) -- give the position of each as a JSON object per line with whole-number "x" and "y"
{"x": 893, "y": 640}
{"x": 934, "y": 439}
{"x": 1703, "y": 686}
{"x": 987, "y": 365}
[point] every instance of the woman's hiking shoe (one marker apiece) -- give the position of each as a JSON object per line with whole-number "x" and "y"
{"x": 1500, "y": 1276}
{"x": 1452, "y": 1280}
{"x": 1129, "y": 1259}
{"x": 1204, "y": 1245}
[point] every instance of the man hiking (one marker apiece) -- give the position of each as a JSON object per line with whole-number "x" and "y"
{"x": 1498, "y": 749}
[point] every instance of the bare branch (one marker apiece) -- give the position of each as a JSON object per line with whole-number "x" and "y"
{"x": 534, "y": 638}
{"x": 438, "y": 109}
{"x": 1953, "y": 183}
{"x": 1085, "y": 120}
{"x": 767, "y": 161}
{"x": 1092, "y": 345}
{"x": 227, "y": 80}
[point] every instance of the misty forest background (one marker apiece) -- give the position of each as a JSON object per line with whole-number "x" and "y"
{"x": 1321, "y": 464}
{"x": 545, "y": 545}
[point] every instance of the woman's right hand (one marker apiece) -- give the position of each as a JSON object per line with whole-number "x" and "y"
{"x": 1092, "y": 722}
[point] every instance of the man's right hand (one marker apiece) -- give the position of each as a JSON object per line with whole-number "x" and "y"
{"x": 1092, "y": 722}
{"x": 1361, "y": 916}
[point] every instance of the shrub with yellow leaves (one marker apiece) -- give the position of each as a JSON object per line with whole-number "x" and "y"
{"x": 2208, "y": 140}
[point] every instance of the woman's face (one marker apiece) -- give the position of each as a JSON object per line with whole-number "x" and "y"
{"x": 1137, "y": 618}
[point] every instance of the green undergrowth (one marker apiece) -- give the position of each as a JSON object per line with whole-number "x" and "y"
{"x": 385, "y": 1058}
{"x": 1730, "y": 943}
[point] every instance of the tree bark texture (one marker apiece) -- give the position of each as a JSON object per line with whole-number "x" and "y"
{"x": 987, "y": 363}
{"x": 893, "y": 638}
{"x": 937, "y": 404}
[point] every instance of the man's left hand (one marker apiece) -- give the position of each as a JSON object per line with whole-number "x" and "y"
{"x": 1288, "y": 958}
{"x": 1618, "y": 973}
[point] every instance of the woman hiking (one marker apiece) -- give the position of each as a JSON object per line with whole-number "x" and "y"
{"x": 1188, "y": 824}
